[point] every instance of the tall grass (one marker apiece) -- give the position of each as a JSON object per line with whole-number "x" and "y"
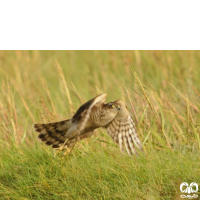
{"x": 161, "y": 90}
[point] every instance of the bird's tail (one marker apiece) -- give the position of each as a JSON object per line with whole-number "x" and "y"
{"x": 53, "y": 133}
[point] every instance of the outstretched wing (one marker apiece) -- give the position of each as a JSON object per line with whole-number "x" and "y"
{"x": 83, "y": 113}
{"x": 56, "y": 133}
{"x": 123, "y": 131}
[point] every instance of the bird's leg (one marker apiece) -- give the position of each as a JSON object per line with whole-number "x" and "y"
{"x": 68, "y": 150}
{"x": 61, "y": 148}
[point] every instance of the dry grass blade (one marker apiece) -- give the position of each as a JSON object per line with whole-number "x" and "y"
{"x": 151, "y": 105}
{"x": 185, "y": 98}
{"x": 60, "y": 71}
{"x": 54, "y": 113}
{"x": 133, "y": 109}
{"x": 76, "y": 92}
{"x": 27, "y": 108}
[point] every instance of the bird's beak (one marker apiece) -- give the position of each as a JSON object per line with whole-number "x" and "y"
{"x": 118, "y": 107}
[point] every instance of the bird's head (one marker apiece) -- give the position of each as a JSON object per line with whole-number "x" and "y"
{"x": 113, "y": 106}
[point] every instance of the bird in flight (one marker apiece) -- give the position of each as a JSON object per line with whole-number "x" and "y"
{"x": 93, "y": 114}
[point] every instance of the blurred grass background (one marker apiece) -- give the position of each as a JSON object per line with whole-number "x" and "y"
{"x": 161, "y": 90}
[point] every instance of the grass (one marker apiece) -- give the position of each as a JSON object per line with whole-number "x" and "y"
{"x": 95, "y": 173}
{"x": 161, "y": 90}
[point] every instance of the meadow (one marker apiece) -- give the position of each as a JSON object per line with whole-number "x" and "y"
{"x": 162, "y": 92}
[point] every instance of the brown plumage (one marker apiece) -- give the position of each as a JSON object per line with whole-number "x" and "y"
{"x": 95, "y": 113}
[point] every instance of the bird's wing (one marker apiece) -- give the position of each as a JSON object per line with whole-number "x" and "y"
{"x": 83, "y": 113}
{"x": 56, "y": 133}
{"x": 123, "y": 131}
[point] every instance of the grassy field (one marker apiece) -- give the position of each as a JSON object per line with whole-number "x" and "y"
{"x": 161, "y": 90}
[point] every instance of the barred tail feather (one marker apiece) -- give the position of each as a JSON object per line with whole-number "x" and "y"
{"x": 53, "y": 133}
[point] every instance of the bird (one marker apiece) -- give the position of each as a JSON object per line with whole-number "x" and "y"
{"x": 95, "y": 113}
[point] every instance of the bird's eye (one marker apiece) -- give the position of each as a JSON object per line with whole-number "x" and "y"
{"x": 113, "y": 106}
